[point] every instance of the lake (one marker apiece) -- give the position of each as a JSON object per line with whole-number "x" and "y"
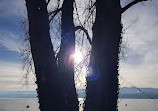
{"x": 124, "y": 104}
{"x": 19, "y": 104}
{"x": 138, "y": 105}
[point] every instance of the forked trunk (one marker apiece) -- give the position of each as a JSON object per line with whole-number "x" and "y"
{"x": 102, "y": 82}
{"x": 49, "y": 84}
{"x": 66, "y": 59}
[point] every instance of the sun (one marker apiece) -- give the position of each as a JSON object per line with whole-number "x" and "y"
{"x": 78, "y": 57}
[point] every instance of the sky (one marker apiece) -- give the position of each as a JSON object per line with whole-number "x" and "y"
{"x": 139, "y": 65}
{"x": 12, "y": 12}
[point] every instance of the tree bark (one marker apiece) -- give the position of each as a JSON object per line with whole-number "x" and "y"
{"x": 102, "y": 82}
{"x": 65, "y": 56}
{"x": 49, "y": 84}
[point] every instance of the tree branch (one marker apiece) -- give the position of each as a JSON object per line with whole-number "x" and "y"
{"x": 85, "y": 31}
{"x": 131, "y": 4}
{"x": 48, "y": 2}
{"x": 78, "y": 17}
{"x": 55, "y": 12}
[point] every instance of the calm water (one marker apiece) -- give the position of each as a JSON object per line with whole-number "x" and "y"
{"x": 138, "y": 105}
{"x": 124, "y": 105}
{"x": 18, "y": 104}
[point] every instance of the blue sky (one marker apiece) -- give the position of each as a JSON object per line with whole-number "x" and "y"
{"x": 140, "y": 65}
{"x": 11, "y": 14}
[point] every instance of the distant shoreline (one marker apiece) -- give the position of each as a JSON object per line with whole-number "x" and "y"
{"x": 124, "y": 93}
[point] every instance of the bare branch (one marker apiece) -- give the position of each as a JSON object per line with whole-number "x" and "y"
{"x": 131, "y": 24}
{"x": 131, "y": 4}
{"x": 78, "y": 17}
{"x": 85, "y": 31}
{"x": 94, "y": 4}
{"x": 48, "y": 2}
{"x": 54, "y": 13}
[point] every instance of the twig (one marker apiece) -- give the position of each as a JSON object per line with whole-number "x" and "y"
{"x": 55, "y": 12}
{"x": 48, "y": 2}
{"x": 131, "y": 4}
{"x": 85, "y": 31}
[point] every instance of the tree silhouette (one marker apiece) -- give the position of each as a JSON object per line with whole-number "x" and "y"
{"x": 52, "y": 81}
{"x": 102, "y": 94}
{"x": 55, "y": 74}
{"x": 48, "y": 81}
{"x": 65, "y": 55}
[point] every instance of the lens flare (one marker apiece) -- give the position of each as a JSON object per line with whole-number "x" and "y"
{"x": 92, "y": 74}
{"x": 78, "y": 57}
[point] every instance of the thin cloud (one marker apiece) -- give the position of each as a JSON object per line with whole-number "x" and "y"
{"x": 9, "y": 40}
{"x": 11, "y": 77}
{"x": 141, "y": 64}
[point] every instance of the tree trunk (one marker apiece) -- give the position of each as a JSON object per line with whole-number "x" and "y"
{"x": 66, "y": 59}
{"x": 49, "y": 84}
{"x": 102, "y": 82}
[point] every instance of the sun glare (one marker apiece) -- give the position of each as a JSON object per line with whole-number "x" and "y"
{"x": 78, "y": 57}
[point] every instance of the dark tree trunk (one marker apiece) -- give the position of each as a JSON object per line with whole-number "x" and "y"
{"x": 66, "y": 59}
{"x": 102, "y": 83}
{"x": 49, "y": 84}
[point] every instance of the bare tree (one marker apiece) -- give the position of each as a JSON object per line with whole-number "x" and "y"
{"x": 102, "y": 93}
{"x": 50, "y": 87}
{"x": 65, "y": 55}
{"x": 55, "y": 74}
